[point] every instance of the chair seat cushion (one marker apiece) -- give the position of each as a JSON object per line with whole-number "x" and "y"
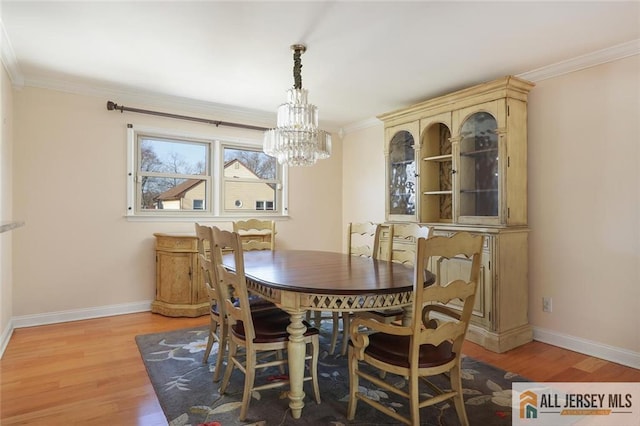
{"x": 394, "y": 350}
{"x": 270, "y": 328}
{"x": 388, "y": 313}
{"x": 215, "y": 310}
{"x": 257, "y": 303}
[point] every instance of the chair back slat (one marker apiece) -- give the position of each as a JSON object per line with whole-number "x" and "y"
{"x": 204, "y": 237}
{"x": 256, "y": 234}
{"x": 401, "y": 246}
{"x": 363, "y": 239}
{"x": 450, "y": 322}
{"x": 233, "y": 283}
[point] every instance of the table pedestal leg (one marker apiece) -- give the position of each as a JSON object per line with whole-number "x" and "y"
{"x": 297, "y": 351}
{"x": 408, "y": 315}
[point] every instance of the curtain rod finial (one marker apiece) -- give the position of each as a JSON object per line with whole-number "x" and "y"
{"x": 112, "y": 105}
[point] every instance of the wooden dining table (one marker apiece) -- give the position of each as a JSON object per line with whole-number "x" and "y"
{"x": 298, "y": 281}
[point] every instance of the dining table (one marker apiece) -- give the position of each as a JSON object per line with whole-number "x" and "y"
{"x": 298, "y": 281}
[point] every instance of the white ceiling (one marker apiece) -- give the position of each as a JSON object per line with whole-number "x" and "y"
{"x": 363, "y": 58}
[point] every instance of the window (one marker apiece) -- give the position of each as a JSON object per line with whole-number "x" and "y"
{"x": 249, "y": 175}
{"x": 172, "y": 175}
{"x": 264, "y": 205}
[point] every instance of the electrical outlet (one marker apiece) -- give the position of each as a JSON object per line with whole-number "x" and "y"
{"x": 546, "y": 304}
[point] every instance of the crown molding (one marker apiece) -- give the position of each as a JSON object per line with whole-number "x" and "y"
{"x": 9, "y": 60}
{"x": 362, "y": 124}
{"x": 610, "y": 54}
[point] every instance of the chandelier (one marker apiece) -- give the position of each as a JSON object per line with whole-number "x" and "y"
{"x": 297, "y": 141}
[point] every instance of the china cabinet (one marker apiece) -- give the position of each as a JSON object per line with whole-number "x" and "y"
{"x": 180, "y": 289}
{"x": 458, "y": 162}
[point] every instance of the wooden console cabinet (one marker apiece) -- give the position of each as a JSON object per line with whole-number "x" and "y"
{"x": 458, "y": 162}
{"x": 180, "y": 289}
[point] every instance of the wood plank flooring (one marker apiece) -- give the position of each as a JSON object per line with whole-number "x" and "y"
{"x": 90, "y": 372}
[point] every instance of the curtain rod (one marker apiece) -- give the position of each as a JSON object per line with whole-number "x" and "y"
{"x": 114, "y": 106}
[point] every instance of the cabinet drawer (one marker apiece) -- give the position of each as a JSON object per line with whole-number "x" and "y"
{"x": 169, "y": 242}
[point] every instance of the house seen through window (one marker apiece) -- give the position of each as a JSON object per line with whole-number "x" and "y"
{"x": 177, "y": 175}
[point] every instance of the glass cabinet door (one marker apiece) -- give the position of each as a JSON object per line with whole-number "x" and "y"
{"x": 402, "y": 175}
{"x": 478, "y": 167}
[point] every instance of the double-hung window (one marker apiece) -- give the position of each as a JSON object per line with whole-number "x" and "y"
{"x": 174, "y": 175}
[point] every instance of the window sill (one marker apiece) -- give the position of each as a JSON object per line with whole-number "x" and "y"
{"x": 201, "y": 218}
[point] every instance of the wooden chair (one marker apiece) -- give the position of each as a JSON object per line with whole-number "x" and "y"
{"x": 363, "y": 239}
{"x": 217, "y": 323}
{"x": 217, "y": 319}
{"x": 400, "y": 248}
{"x": 254, "y": 333}
{"x": 431, "y": 344}
{"x": 256, "y": 234}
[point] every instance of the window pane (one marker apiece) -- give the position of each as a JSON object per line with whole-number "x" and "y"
{"x": 171, "y": 156}
{"x": 160, "y": 193}
{"x": 248, "y": 164}
{"x": 248, "y": 196}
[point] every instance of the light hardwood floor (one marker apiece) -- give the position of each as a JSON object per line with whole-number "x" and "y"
{"x": 90, "y": 372}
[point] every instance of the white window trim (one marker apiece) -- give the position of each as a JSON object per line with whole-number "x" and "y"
{"x": 217, "y": 212}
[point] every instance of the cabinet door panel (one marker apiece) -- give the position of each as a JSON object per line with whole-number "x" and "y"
{"x": 479, "y": 169}
{"x": 448, "y": 270}
{"x": 401, "y": 170}
{"x": 174, "y": 273}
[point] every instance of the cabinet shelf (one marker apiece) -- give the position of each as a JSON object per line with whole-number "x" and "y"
{"x": 437, "y": 193}
{"x": 439, "y": 158}
{"x": 479, "y": 152}
{"x": 478, "y": 191}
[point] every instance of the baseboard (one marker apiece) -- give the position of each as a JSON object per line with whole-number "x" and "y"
{"x": 588, "y": 347}
{"x": 5, "y": 337}
{"x": 80, "y": 314}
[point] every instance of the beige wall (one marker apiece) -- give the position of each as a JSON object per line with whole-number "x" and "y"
{"x": 584, "y": 203}
{"x": 84, "y": 253}
{"x": 364, "y": 176}
{"x": 6, "y": 154}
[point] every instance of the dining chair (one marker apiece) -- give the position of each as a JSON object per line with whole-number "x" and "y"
{"x": 217, "y": 318}
{"x": 254, "y": 333}
{"x": 400, "y": 247}
{"x": 363, "y": 239}
{"x": 217, "y": 323}
{"x": 432, "y": 344}
{"x": 256, "y": 234}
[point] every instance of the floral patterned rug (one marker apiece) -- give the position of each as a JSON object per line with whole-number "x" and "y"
{"x": 188, "y": 395}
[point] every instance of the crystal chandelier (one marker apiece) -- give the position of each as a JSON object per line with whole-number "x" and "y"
{"x": 297, "y": 141}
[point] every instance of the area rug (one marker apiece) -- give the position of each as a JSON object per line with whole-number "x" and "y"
{"x": 188, "y": 396}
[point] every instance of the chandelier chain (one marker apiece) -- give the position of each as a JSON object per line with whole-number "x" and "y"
{"x": 297, "y": 69}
